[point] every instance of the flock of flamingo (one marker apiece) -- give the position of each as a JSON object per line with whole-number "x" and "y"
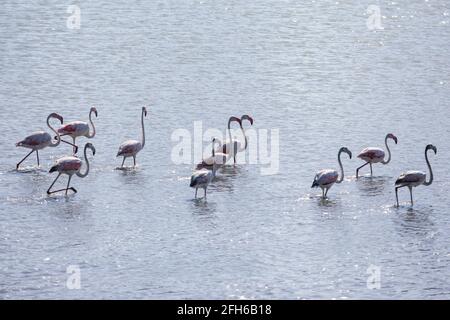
{"x": 206, "y": 170}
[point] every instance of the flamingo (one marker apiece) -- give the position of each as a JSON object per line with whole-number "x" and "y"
{"x": 413, "y": 179}
{"x": 70, "y": 165}
{"x": 40, "y": 140}
{"x": 375, "y": 155}
{"x": 203, "y": 177}
{"x": 327, "y": 177}
{"x": 130, "y": 148}
{"x": 231, "y": 146}
{"x": 217, "y": 158}
{"x": 76, "y": 129}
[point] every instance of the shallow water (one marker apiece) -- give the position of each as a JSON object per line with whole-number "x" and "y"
{"x": 311, "y": 69}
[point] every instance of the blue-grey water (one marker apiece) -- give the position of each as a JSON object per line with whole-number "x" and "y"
{"x": 311, "y": 69}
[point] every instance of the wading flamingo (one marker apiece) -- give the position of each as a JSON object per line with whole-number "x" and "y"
{"x": 217, "y": 158}
{"x": 130, "y": 148}
{"x": 374, "y": 155}
{"x": 40, "y": 140}
{"x": 327, "y": 177}
{"x": 231, "y": 146}
{"x": 413, "y": 179}
{"x": 238, "y": 146}
{"x": 202, "y": 178}
{"x": 71, "y": 165}
{"x": 76, "y": 129}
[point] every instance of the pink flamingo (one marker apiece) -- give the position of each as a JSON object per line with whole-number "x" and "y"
{"x": 130, "y": 148}
{"x": 40, "y": 140}
{"x": 203, "y": 177}
{"x": 217, "y": 159}
{"x": 231, "y": 146}
{"x": 70, "y": 165}
{"x": 413, "y": 179}
{"x": 76, "y": 129}
{"x": 376, "y": 155}
{"x": 326, "y": 178}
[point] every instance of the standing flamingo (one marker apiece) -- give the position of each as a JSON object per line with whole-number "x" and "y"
{"x": 217, "y": 158}
{"x": 76, "y": 129}
{"x": 231, "y": 146}
{"x": 71, "y": 165}
{"x": 327, "y": 177}
{"x": 237, "y": 145}
{"x": 130, "y": 148}
{"x": 203, "y": 177}
{"x": 375, "y": 155}
{"x": 413, "y": 179}
{"x": 40, "y": 140}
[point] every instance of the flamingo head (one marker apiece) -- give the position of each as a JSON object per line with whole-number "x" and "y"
{"x": 391, "y": 136}
{"x": 248, "y": 118}
{"x": 232, "y": 118}
{"x": 430, "y": 146}
{"x": 144, "y": 111}
{"x": 94, "y": 110}
{"x": 344, "y": 149}
{"x": 56, "y": 116}
{"x": 90, "y": 146}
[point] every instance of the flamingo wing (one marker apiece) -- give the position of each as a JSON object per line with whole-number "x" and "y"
{"x": 410, "y": 177}
{"x": 371, "y": 153}
{"x": 200, "y": 177}
{"x": 129, "y": 147}
{"x": 325, "y": 177}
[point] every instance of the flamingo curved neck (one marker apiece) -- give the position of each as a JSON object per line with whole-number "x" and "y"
{"x": 389, "y": 152}
{"x": 143, "y": 130}
{"x": 245, "y": 138}
{"x": 341, "y": 178}
{"x": 91, "y": 134}
{"x": 427, "y": 183}
{"x": 83, "y": 175}
{"x": 58, "y": 137}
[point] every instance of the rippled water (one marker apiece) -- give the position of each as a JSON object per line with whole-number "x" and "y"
{"x": 311, "y": 69}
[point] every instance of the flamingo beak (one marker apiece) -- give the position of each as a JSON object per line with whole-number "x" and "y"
{"x": 395, "y": 139}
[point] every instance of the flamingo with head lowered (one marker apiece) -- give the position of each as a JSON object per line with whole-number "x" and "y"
{"x": 130, "y": 148}
{"x": 375, "y": 155}
{"x": 70, "y": 165}
{"x": 326, "y": 178}
{"x": 76, "y": 129}
{"x": 217, "y": 159}
{"x": 203, "y": 177}
{"x": 40, "y": 140}
{"x": 413, "y": 179}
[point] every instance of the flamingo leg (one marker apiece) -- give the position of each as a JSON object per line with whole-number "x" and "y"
{"x": 68, "y": 183}
{"x": 205, "y": 192}
{"x": 410, "y": 193}
{"x": 75, "y": 147}
{"x": 17, "y": 166}
{"x": 196, "y": 189}
{"x": 326, "y": 192}
{"x": 53, "y": 183}
{"x": 357, "y": 170}
{"x": 371, "y": 172}
{"x": 134, "y": 160}
{"x": 323, "y": 193}
{"x": 37, "y": 155}
{"x": 396, "y": 194}
{"x": 123, "y": 162}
